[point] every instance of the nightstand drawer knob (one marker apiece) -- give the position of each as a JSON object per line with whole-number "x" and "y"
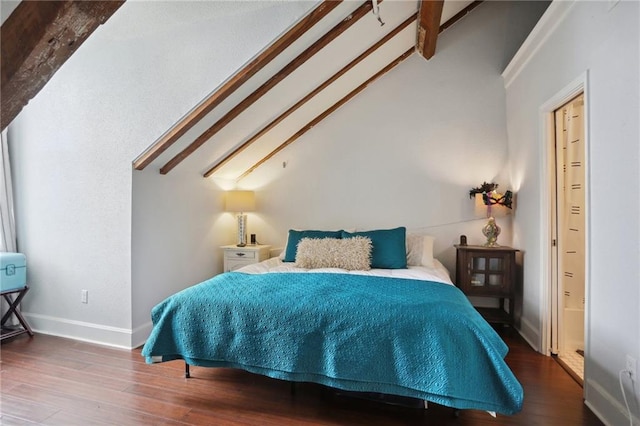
{"x": 240, "y": 254}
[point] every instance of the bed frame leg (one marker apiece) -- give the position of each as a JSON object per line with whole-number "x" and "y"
{"x": 187, "y": 373}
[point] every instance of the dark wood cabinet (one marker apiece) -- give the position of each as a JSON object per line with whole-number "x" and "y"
{"x": 488, "y": 272}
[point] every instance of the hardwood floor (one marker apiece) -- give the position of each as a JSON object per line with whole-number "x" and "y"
{"x": 53, "y": 381}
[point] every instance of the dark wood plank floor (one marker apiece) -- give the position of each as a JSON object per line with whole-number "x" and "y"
{"x": 54, "y": 381}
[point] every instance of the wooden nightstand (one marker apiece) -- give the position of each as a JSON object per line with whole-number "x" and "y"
{"x": 488, "y": 272}
{"x": 236, "y": 257}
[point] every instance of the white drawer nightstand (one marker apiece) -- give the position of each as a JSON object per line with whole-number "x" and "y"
{"x": 236, "y": 257}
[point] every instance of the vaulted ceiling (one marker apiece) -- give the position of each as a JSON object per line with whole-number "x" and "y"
{"x": 318, "y": 65}
{"x": 297, "y": 81}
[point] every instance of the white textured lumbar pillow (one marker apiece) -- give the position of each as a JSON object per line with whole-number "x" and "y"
{"x": 349, "y": 253}
{"x": 420, "y": 250}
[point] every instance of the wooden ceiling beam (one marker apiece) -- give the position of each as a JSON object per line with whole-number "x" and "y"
{"x": 308, "y": 97}
{"x": 328, "y": 112}
{"x": 231, "y": 85}
{"x": 311, "y": 124}
{"x": 268, "y": 85}
{"x": 428, "y": 27}
{"x": 36, "y": 39}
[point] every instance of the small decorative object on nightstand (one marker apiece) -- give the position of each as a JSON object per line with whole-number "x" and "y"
{"x": 488, "y": 272}
{"x": 236, "y": 257}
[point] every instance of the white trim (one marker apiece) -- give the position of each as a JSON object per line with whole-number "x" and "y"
{"x": 531, "y": 335}
{"x": 80, "y": 330}
{"x": 546, "y": 123}
{"x": 547, "y": 130}
{"x": 577, "y": 86}
{"x": 553, "y": 259}
{"x": 599, "y": 397}
{"x": 550, "y": 20}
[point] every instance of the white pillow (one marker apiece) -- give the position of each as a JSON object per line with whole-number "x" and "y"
{"x": 348, "y": 253}
{"x": 420, "y": 250}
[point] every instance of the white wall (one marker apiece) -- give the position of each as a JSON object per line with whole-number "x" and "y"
{"x": 72, "y": 148}
{"x": 587, "y": 38}
{"x": 178, "y": 228}
{"x": 407, "y": 150}
{"x": 372, "y": 164}
{"x": 404, "y": 152}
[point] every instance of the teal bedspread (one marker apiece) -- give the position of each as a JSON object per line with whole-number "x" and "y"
{"x": 403, "y": 337}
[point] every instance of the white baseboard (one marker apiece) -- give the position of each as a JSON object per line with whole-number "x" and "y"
{"x": 531, "y": 335}
{"x": 608, "y": 409}
{"x": 79, "y": 330}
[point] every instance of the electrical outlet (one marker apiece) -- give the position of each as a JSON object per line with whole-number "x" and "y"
{"x": 631, "y": 366}
{"x": 85, "y": 296}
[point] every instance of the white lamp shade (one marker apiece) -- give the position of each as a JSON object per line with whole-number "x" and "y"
{"x": 240, "y": 201}
{"x": 482, "y": 210}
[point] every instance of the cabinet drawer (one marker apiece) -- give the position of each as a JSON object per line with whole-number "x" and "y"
{"x": 235, "y": 257}
{"x": 240, "y": 254}
{"x": 232, "y": 265}
{"x": 471, "y": 289}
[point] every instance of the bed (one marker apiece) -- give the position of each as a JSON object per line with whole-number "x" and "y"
{"x": 400, "y": 331}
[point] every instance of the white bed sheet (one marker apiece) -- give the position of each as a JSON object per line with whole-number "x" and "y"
{"x": 438, "y": 273}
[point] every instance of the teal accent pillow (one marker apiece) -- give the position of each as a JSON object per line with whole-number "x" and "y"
{"x": 295, "y": 237}
{"x": 389, "y": 247}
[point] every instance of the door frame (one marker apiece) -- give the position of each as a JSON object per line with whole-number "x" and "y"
{"x": 548, "y": 293}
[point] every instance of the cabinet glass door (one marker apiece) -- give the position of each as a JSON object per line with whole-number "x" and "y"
{"x": 486, "y": 270}
{"x": 478, "y": 265}
{"x": 496, "y": 271}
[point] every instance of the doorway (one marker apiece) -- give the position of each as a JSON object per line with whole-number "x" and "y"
{"x": 568, "y": 237}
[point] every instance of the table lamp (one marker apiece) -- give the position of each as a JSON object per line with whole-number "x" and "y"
{"x": 241, "y": 202}
{"x": 490, "y": 203}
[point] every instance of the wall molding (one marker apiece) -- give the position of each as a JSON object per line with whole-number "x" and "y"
{"x": 531, "y": 335}
{"x": 599, "y": 397}
{"x": 79, "y": 330}
{"x": 546, "y": 26}
{"x": 578, "y": 85}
